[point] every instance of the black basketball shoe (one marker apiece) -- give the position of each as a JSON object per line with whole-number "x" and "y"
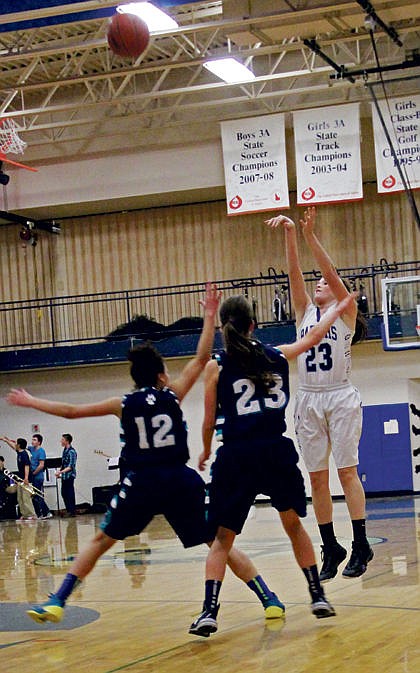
{"x": 361, "y": 554}
{"x": 331, "y": 559}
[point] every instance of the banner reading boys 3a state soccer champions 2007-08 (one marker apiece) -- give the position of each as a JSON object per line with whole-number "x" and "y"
{"x": 254, "y": 156}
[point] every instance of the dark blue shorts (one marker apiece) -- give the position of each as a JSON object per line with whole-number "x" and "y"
{"x": 176, "y": 492}
{"x": 239, "y": 474}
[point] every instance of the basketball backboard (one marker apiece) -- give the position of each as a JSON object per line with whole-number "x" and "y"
{"x": 401, "y": 313}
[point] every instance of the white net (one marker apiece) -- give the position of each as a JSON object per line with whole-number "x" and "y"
{"x": 10, "y": 143}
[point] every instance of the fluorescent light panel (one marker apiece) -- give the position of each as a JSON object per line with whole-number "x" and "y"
{"x": 155, "y": 18}
{"x": 230, "y": 70}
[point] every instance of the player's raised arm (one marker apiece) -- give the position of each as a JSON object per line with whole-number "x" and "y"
{"x": 300, "y": 297}
{"x": 324, "y": 261}
{"x": 193, "y": 369}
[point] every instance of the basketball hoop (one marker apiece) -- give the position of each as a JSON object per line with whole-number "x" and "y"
{"x": 10, "y": 143}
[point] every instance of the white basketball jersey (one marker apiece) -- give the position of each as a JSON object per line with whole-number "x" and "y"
{"x": 329, "y": 362}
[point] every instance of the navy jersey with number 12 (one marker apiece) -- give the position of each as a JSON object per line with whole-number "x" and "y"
{"x": 153, "y": 429}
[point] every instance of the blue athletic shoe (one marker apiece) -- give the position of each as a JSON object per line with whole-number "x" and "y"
{"x": 274, "y": 608}
{"x": 50, "y": 611}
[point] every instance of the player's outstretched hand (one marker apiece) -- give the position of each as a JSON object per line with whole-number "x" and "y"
{"x": 308, "y": 221}
{"x": 211, "y": 301}
{"x": 275, "y": 222}
{"x": 18, "y": 397}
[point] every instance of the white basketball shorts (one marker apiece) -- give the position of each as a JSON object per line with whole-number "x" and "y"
{"x": 328, "y": 420}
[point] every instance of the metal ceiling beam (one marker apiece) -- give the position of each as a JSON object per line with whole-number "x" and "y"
{"x": 146, "y": 67}
{"x": 168, "y": 93}
{"x": 76, "y": 87}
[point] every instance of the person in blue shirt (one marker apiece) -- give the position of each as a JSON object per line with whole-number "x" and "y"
{"x": 67, "y": 474}
{"x": 155, "y": 478}
{"x": 247, "y": 386}
{"x": 38, "y": 458}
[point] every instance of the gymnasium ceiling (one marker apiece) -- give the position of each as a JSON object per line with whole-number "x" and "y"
{"x": 71, "y": 97}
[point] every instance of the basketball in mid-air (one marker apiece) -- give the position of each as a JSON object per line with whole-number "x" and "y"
{"x": 128, "y": 35}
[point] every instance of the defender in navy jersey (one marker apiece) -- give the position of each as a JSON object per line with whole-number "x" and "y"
{"x": 154, "y": 476}
{"x": 248, "y": 386}
{"x": 328, "y": 414}
{"x": 244, "y": 417}
{"x": 153, "y": 429}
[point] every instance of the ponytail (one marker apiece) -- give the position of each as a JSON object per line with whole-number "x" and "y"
{"x": 248, "y": 354}
{"x": 360, "y": 329}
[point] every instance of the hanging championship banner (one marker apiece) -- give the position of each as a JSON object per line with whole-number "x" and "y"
{"x": 402, "y": 121}
{"x": 327, "y": 148}
{"x": 254, "y": 156}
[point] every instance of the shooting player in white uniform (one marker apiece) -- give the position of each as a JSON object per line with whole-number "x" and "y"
{"x": 328, "y": 416}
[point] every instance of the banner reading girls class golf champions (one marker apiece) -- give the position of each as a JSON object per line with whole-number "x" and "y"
{"x": 254, "y": 156}
{"x": 327, "y": 148}
{"x": 402, "y": 120}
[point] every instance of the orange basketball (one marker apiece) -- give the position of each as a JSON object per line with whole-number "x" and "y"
{"x": 128, "y": 35}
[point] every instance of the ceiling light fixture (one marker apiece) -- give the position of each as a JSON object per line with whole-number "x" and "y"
{"x": 230, "y": 70}
{"x": 155, "y": 18}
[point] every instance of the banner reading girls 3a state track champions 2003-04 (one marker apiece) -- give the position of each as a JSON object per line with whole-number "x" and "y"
{"x": 402, "y": 120}
{"x": 254, "y": 155}
{"x": 327, "y": 148}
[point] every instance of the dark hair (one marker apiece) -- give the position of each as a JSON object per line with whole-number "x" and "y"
{"x": 38, "y": 437}
{"x": 2, "y": 458}
{"x": 146, "y": 364}
{"x": 236, "y": 316}
{"x": 67, "y": 437}
{"x": 22, "y": 443}
{"x": 360, "y": 328}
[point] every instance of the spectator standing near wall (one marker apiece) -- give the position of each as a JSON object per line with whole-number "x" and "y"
{"x": 24, "y": 497}
{"x": 38, "y": 458}
{"x": 67, "y": 474}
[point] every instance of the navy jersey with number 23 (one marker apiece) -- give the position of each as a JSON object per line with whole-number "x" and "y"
{"x": 248, "y": 413}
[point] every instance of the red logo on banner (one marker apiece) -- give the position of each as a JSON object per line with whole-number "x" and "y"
{"x": 308, "y": 194}
{"x": 235, "y": 203}
{"x": 389, "y": 182}
{"x": 277, "y": 196}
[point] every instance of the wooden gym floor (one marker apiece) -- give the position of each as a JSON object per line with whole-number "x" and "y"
{"x": 133, "y": 612}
